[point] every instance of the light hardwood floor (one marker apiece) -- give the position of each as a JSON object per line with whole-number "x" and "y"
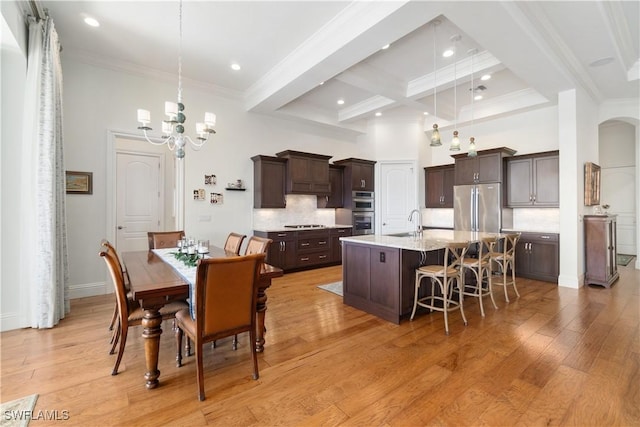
{"x": 555, "y": 356}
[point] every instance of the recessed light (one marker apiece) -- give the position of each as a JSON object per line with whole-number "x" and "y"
{"x": 426, "y": 113}
{"x": 92, "y": 22}
{"x": 477, "y": 97}
{"x": 386, "y": 46}
{"x": 378, "y": 114}
{"x": 485, "y": 77}
{"x": 447, "y": 53}
{"x": 340, "y": 101}
{"x": 321, "y": 83}
{"x": 235, "y": 66}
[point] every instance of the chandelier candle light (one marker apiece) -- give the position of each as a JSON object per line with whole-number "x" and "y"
{"x": 173, "y": 127}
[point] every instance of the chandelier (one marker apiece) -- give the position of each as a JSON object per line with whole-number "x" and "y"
{"x": 173, "y": 127}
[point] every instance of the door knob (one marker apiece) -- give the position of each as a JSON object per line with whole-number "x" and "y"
{"x": 120, "y": 227}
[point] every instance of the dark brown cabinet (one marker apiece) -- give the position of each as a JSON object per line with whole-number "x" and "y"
{"x": 486, "y": 167}
{"x": 533, "y": 181}
{"x": 268, "y": 182}
{"x": 335, "y": 199}
{"x": 336, "y": 244}
{"x": 600, "y": 236}
{"x": 282, "y": 251}
{"x": 313, "y": 248}
{"x": 306, "y": 173}
{"x": 538, "y": 256}
{"x": 439, "y": 186}
{"x": 358, "y": 174}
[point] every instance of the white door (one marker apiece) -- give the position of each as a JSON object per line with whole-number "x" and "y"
{"x": 397, "y": 196}
{"x": 618, "y": 191}
{"x": 138, "y": 196}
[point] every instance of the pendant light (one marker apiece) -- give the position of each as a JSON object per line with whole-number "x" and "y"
{"x": 455, "y": 142}
{"x": 472, "y": 141}
{"x": 435, "y": 134}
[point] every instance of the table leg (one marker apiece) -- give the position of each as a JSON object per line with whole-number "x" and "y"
{"x": 261, "y": 308}
{"x": 151, "y": 333}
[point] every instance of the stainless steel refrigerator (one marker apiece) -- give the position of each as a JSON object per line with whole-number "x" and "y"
{"x": 478, "y": 208}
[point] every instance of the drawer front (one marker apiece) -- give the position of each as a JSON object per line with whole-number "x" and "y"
{"x": 313, "y": 243}
{"x": 313, "y": 258}
{"x": 540, "y": 237}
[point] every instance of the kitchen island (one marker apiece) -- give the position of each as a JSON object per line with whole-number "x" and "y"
{"x": 378, "y": 272}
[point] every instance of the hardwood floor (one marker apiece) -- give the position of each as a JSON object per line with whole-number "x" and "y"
{"x": 555, "y": 356}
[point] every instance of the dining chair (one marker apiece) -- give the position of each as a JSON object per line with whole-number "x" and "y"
{"x": 444, "y": 275}
{"x": 125, "y": 278}
{"x": 257, "y": 245}
{"x": 164, "y": 239}
{"x": 506, "y": 260}
{"x": 129, "y": 311}
{"x": 234, "y": 242}
{"x": 480, "y": 266}
{"x": 226, "y": 291}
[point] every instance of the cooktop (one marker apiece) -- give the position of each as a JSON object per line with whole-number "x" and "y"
{"x": 304, "y": 226}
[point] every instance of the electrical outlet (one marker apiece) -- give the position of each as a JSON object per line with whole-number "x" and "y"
{"x": 382, "y": 257}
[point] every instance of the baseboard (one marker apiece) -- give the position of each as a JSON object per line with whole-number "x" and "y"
{"x": 88, "y": 290}
{"x": 571, "y": 281}
{"x": 10, "y": 321}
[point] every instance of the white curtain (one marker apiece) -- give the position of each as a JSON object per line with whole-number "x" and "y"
{"x": 43, "y": 222}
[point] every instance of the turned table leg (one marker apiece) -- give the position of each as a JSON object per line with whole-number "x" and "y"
{"x": 261, "y": 309}
{"x": 151, "y": 333}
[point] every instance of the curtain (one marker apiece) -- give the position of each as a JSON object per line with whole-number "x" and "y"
{"x": 43, "y": 228}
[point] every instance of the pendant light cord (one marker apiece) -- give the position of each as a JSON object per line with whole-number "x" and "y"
{"x": 435, "y": 74}
{"x": 180, "y": 58}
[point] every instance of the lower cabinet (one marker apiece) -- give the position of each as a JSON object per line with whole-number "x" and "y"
{"x": 600, "y": 236}
{"x": 296, "y": 250}
{"x": 538, "y": 256}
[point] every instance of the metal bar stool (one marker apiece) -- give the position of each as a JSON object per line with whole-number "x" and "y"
{"x": 450, "y": 270}
{"x": 506, "y": 260}
{"x": 481, "y": 268}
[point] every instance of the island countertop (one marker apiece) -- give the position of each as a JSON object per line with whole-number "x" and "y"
{"x": 430, "y": 240}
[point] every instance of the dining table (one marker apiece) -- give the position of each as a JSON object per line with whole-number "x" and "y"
{"x": 155, "y": 282}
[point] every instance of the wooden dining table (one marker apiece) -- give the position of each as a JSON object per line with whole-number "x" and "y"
{"x": 154, "y": 283}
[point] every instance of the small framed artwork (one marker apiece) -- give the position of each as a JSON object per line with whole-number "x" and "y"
{"x": 199, "y": 194}
{"x": 210, "y": 180}
{"x": 79, "y": 182}
{"x": 591, "y": 184}
{"x": 216, "y": 199}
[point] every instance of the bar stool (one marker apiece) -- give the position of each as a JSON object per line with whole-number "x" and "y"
{"x": 450, "y": 270}
{"x": 481, "y": 268}
{"x": 506, "y": 260}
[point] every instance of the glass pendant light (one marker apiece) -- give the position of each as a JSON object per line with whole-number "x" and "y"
{"x": 435, "y": 134}
{"x": 472, "y": 141}
{"x": 455, "y": 142}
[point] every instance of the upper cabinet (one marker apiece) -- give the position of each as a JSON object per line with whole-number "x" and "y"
{"x": 486, "y": 167}
{"x": 306, "y": 173}
{"x": 439, "y": 186}
{"x": 336, "y": 178}
{"x": 533, "y": 180}
{"x": 268, "y": 182}
{"x": 358, "y": 174}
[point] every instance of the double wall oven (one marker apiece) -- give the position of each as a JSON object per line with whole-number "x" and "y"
{"x": 362, "y": 215}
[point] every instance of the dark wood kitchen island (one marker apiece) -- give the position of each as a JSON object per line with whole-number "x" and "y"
{"x": 378, "y": 272}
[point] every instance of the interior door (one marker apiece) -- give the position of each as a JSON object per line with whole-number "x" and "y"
{"x": 138, "y": 196}
{"x": 398, "y": 196}
{"x": 618, "y": 191}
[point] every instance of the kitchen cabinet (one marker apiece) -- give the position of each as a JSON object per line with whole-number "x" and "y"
{"x": 439, "y": 186}
{"x": 600, "y": 235}
{"x": 485, "y": 168}
{"x": 358, "y": 174}
{"x": 269, "y": 182}
{"x": 538, "y": 256}
{"x": 336, "y": 244}
{"x": 313, "y": 248}
{"x": 306, "y": 173}
{"x": 335, "y": 199}
{"x": 533, "y": 181}
{"x": 282, "y": 251}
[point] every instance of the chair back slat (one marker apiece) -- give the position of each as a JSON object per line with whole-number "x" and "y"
{"x": 164, "y": 239}
{"x": 257, "y": 245}
{"x": 234, "y": 242}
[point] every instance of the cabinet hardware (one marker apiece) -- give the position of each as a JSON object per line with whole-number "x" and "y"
{"x": 304, "y": 259}
{"x": 530, "y": 198}
{"x": 322, "y": 256}
{"x": 282, "y": 246}
{"x": 545, "y": 237}
{"x": 322, "y": 243}
{"x": 282, "y": 234}
{"x": 304, "y": 244}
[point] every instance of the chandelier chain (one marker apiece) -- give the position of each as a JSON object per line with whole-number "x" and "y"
{"x": 180, "y": 57}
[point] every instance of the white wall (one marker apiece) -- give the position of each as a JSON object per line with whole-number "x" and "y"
{"x": 13, "y": 61}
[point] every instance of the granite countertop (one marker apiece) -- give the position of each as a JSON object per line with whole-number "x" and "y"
{"x": 520, "y": 230}
{"x": 431, "y": 239}
{"x": 283, "y": 228}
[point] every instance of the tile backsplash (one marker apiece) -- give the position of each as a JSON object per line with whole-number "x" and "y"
{"x": 546, "y": 220}
{"x": 301, "y": 209}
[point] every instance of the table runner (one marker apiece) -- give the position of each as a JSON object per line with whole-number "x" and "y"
{"x": 187, "y": 272}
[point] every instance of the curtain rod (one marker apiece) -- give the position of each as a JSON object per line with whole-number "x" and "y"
{"x": 37, "y": 10}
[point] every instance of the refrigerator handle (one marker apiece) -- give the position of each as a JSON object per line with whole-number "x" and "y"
{"x": 474, "y": 209}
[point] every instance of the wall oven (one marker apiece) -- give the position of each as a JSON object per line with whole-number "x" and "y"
{"x": 362, "y": 200}
{"x": 362, "y": 222}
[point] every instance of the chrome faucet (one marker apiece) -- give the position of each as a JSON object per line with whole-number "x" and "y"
{"x": 418, "y": 232}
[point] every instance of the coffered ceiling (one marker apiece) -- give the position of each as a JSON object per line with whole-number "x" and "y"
{"x": 298, "y": 58}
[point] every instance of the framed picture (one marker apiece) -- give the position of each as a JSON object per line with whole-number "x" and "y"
{"x": 591, "y": 184}
{"x": 79, "y": 182}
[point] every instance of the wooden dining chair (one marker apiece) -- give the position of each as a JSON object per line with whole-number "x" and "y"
{"x": 129, "y": 312}
{"x": 164, "y": 239}
{"x": 234, "y": 242}
{"x": 125, "y": 278}
{"x": 257, "y": 245}
{"x": 506, "y": 261}
{"x": 444, "y": 275}
{"x": 226, "y": 291}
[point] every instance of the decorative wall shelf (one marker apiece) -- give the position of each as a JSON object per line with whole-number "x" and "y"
{"x": 235, "y": 189}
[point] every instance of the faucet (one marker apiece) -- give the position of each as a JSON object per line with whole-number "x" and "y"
{"x": 418, "y": 232}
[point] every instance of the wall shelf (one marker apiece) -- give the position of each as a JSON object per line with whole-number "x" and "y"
{"x": 235, "y": 189}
